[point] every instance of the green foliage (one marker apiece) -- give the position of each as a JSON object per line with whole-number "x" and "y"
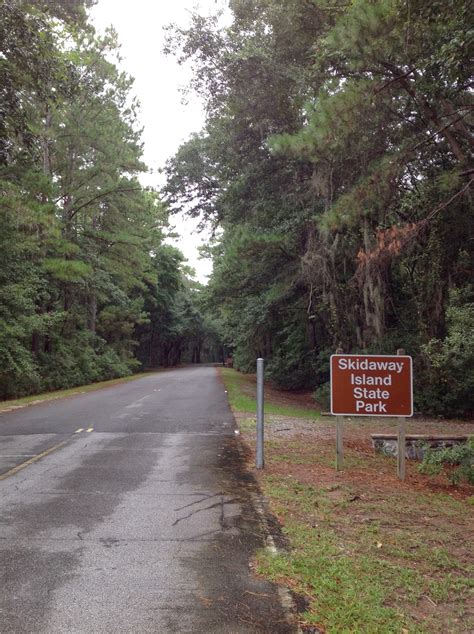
{"x": 66, "y": 270}
{"x": 241, "y": 392}
{"x": 83, "y": 264}
{"x": 336, "y": 162}
{"x": 459, "y": 460}
{"x": 322, "y": 395}
{"x": 290, "y": 366}
{"x": 448, "y": 373}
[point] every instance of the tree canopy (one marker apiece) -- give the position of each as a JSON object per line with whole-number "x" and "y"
{"x": 336, "y": 160}
{"x": 334, "y": 167}
{"x": 89, "y": 289}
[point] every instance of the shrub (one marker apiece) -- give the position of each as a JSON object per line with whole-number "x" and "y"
{"x": 323, "y": 396}
{"x": 446, "y": 383}
{"x": 457, "y": 462}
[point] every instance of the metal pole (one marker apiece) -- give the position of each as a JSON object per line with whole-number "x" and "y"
{"x": 260, "y": 414}
{"x": 401, "y": 440}
{"x": 339, "y": 434}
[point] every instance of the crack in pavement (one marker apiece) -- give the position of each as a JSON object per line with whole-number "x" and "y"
{"x": 206, "y": 497}
{"x": 221, "y": 504}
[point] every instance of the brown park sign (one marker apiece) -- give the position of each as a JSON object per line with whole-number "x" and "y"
{"x": 371, "y": 385}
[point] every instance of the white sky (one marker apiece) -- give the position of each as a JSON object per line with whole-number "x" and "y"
{"x": 158, "y": 79}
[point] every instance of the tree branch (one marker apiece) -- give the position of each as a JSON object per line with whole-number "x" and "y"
{"x": 394, "y": 79}
{"x": 438, "y": 132}
{"x": 74, "y": 212}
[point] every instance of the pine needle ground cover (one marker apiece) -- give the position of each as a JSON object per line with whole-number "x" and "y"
{"x": 365, "y": 552}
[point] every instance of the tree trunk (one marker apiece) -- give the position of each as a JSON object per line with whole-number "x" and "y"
{"x": 92, "y": 313}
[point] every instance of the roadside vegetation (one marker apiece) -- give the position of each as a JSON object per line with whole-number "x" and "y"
{"x": 241, "y": 394}
{"x": 89, "y": 289}
{"x": 456, "y": 462}
{"x": 333, "y": 170}
{"x": 364, "y": 552}
{"x": 336, "y": 164}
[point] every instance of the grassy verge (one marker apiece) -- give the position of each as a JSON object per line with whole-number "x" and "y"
{"x": 367, "y": 574}
{"x": 367, "y": 554}
{"x": 51, "y": 396}
{"x": 241, "y": 393}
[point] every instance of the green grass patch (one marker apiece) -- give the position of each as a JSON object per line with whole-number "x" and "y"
{"x": 442, "y": 590}
{"x": 364, "y": 576}
{"x": 57, "y": 394}
{"x": 239, "y": 391}
{"x": 348, "y": 593}
{"x": 248, "y": 424}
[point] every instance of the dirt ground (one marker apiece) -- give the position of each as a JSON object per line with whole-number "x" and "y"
{"x": 317, "y": 438}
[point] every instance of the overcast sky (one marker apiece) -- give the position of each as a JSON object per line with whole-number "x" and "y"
{"x": 158, "y": 80}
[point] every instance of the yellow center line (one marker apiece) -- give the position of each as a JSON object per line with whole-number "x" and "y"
{"x": 27, "y": 463}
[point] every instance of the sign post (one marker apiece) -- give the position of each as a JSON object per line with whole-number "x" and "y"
{"x": 339, "y": 443}
{"x": 401, "y": 442}
{"x": 372, "y": 385}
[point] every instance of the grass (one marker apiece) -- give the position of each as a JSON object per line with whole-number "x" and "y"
{"x": 239, "y": 391}
{"x": 360, "y": 577}
{"x": 247, "y": 424}
{"x": 347, "y": 588}
{"x": 57, "y": 394}
{"x": 367, "y": 554}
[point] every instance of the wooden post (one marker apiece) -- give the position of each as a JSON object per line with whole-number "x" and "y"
{"x": 401, "y": 439}
{"x": 339, "y": 434}
{"x": 339, "y": 444}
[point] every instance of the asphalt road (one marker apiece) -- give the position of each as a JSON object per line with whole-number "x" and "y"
{"x": 140, "y": 519}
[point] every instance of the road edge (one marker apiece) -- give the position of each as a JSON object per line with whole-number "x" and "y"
{"x": 72, "y": 392}
{"x": 260, "y": 505}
